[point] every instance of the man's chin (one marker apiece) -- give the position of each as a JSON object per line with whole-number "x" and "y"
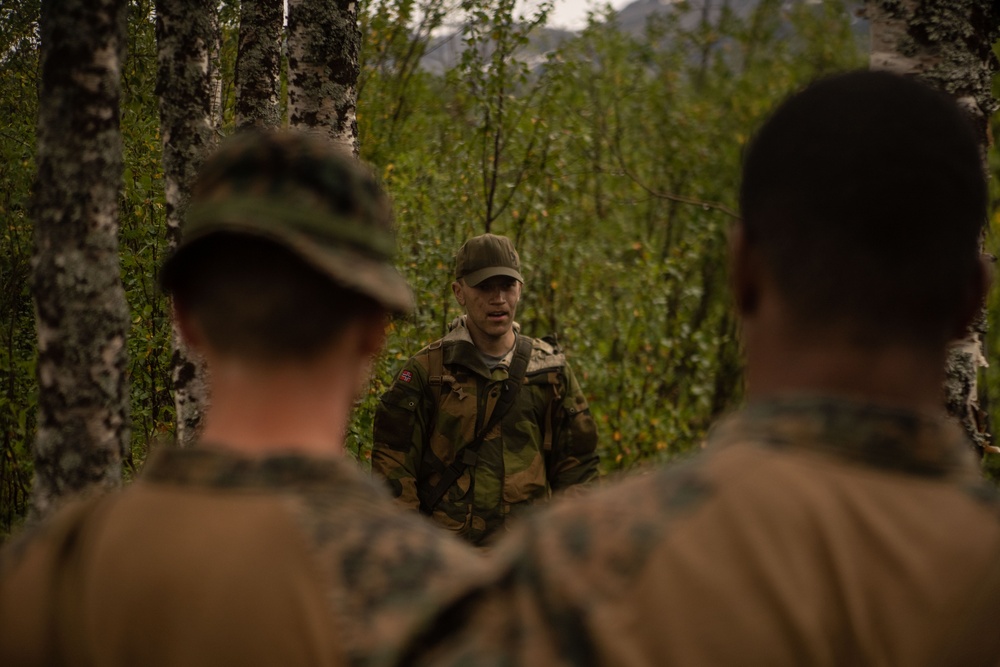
{"x": 497, "y": 330}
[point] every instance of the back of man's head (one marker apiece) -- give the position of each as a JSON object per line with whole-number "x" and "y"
{"x": 287, "y": 239}
{"x": 865, "y": 196}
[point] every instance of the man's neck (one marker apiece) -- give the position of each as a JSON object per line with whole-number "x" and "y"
{"x": 265, "y": 411}
{"x": 901, "y": 376}
{"x": 492, "y": 346}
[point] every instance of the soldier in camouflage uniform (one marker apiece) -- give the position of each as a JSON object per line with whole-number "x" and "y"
{"x": 263, "y": 545}
{"x": 840, "y": 517}
{"x": 448, "y": 392}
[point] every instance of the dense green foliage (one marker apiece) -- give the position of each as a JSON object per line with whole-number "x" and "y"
{"x": 613, "y": 163}
{"x": 990, "y": 377}
{"x": 18, "y": 394}
{"x": 611, "y": 159}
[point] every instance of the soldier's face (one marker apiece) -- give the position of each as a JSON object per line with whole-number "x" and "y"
{"x": 490, "y": 305}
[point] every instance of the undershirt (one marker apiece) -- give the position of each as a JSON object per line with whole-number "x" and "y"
{"x": 491, "y": 361}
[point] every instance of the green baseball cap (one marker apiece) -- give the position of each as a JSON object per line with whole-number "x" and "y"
{"x": 300, "y": 191}
{"x": 485, "y": 256}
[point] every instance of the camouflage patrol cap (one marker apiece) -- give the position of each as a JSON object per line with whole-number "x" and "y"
{"x": 306, "y": 194}
{"x": 485, "y": 256}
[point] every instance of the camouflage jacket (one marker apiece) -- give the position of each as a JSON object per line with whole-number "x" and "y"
{"x": 545, "y": 442}
{"x": 215, "y": 559}
{"x": 808, "y": 532}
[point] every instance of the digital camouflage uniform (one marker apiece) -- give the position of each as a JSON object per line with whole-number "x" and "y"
{"x": 545, "y": 442}
{"x": 216, "y": 559}
{"x": 809, "y": 532}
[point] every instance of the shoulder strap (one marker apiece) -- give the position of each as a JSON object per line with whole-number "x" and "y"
{"x": 435, "y": 368}
{"x": 469, "y": 454}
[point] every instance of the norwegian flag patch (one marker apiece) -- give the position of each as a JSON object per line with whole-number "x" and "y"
{"x": 406, "y": 376}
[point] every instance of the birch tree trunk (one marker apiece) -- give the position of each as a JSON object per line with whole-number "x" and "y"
{"x": 324, "y": 46}
{"x": 947, "y": 43}
{"x": 186, "y": 36}
{"x": 258, "y": 64}
{"x": 81, "y": 313}
{"x": 215, "y": 71}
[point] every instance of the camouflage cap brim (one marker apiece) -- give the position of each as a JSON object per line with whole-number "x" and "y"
{"x": 485, "y": 256}
{"x": 476, "y": 277}
{"x": 300, "y": 191}
{"x": 350, "y": 267}
{"x": 355, "y": 271}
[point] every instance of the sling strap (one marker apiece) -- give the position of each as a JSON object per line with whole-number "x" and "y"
{"x": 469, "y": 454}
{"x": 435, "y": 370}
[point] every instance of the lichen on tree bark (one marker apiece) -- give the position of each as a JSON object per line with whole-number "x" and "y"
{"x": 949, "y": 44}
{"x": 324, "y": 45}
{"x": 81, "y": 313}
{"x": 186, "y": 36}
{"x": 258, "y": 65}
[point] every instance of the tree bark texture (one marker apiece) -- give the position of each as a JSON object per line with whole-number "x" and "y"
{"x": 949, "y": 45}
{"x": 258, "y": 65}
{"x": 215, "y": 71}
{"x": 324, "y": 46}
{"x": 186, "y": 36}
{"x": 81, "y": 312}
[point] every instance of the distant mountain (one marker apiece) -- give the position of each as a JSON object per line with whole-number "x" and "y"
{"x": 445, "y": 50}
{"x": 632, "y": 18}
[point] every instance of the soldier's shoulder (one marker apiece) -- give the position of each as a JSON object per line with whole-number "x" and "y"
{"x": 545, "y": 355}
{"x": 46, "y": 539}
{"x": 428, "y": 349}
{"x": 607, "y": 535}
{"x": 392, "y": 571}
{"x": 420, "y": 362}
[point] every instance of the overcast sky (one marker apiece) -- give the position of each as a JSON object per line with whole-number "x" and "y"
{"x": 573, "y": 13}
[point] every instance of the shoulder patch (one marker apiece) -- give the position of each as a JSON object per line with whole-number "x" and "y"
{"x": 406, "y": 375}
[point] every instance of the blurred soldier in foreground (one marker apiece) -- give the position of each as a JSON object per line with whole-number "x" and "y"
{"x": 486, "y": 421}
{"x": 263, "y": 545}
{"x": 840, "y": 517}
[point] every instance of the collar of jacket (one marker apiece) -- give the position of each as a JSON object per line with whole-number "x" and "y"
{"x": 458, "y": 349}
{"x": 880, "y": 436}
{"x": 212, "y": 467}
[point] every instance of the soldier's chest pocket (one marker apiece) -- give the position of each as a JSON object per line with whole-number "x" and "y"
{"x": 396, "y": 420}
{"x": 459, "y": 400}
{"x": 533, "y": 407}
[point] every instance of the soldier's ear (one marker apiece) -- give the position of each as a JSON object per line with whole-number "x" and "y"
{"x": 456, "y": 288}
{"x": 373, "y": 334}
{"x": 187, "y": 326}
{"x": 974, "y": 296}
{"x": 743, "y": 272}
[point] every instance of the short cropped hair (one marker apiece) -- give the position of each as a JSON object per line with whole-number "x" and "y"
{"x": 866, "y": 196}
{"x": 256, "y": 300}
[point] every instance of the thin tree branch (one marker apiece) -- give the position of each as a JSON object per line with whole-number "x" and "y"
{"x": 669, "y": 196}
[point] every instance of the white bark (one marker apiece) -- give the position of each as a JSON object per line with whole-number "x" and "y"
{"x": 947, "y": 43}
{"x": 187, "y": 41}
{"x": 258, "y": 64}
{"x": 324, "y": 46}
{"x": 81, "y": 313}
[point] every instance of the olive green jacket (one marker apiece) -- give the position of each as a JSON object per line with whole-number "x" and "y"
{"x": 545, "y": 442}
